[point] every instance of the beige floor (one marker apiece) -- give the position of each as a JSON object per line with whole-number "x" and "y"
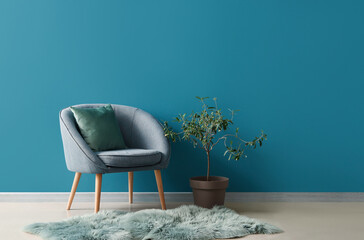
{"x": 306, "y": 221}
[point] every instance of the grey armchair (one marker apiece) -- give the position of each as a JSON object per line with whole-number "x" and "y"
{"x": 148, "y": 149}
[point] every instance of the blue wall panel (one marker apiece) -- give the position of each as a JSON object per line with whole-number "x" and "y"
{"x": 293, "y": 68}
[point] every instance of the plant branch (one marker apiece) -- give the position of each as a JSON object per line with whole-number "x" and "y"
{"x": 201, "y": 128}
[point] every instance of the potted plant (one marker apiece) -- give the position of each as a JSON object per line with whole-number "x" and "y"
{"x": 206, "y": 129}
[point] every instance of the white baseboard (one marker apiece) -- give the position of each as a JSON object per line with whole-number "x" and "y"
{"x": 185, "y": 197}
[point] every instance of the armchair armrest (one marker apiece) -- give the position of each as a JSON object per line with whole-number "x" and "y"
{"x": 79, "y": 156}
{"x": 147, "y": 133}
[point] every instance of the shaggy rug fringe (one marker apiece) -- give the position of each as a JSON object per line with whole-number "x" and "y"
{"x": 182, "y": 223}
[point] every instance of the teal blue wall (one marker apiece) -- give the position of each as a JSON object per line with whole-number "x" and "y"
{"x": 293, "y": 68}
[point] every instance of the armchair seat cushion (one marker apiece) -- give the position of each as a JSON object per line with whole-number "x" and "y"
{"x": 130, "y": 157}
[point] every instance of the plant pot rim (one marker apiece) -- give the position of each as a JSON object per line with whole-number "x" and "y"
{"x": 214, "y": 182}
{"x": 211, "y": 179}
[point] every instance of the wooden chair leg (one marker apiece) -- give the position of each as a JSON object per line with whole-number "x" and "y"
{"x": 158, "y": 178}
{"x": 131, "y": 177}
{"x": 73, "y": 191}
{"x": 98, "y": 191}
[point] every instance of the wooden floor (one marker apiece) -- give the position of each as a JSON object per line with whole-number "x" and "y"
{"x": 301, "y": 221}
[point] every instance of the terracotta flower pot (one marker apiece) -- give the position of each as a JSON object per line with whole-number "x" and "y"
{"x": 209, "y": 193}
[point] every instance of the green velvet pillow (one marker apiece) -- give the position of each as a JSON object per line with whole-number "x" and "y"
{"x": 99, "y": 127}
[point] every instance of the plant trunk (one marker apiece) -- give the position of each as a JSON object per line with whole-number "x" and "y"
{"x": 208, "y": 165}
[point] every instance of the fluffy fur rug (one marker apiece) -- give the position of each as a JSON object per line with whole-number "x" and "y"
{"x": 182, "y": 223}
